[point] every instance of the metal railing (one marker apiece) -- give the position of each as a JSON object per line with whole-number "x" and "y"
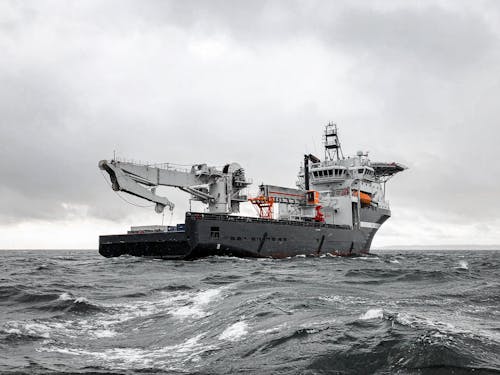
{"x": 248, "y": 219}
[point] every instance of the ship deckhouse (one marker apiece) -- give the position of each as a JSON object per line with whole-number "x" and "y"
{"x": 344, "y": 185}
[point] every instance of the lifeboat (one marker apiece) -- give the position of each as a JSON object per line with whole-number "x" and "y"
{"x": 365, "y": 198}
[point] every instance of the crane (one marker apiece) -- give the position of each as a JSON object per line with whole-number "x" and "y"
{"x": 219, "y": 189}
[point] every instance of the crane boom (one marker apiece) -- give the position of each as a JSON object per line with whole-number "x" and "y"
{"x": 220, "y": 189}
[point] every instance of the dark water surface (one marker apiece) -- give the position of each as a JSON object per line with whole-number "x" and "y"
{"x": 395, "y": 312}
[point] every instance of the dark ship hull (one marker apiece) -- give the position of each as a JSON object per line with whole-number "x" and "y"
{"x": 211, "y": 234}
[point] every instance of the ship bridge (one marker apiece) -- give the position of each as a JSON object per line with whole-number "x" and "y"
{"x": 363, "y": 172}
{"x": 326, "y": 173}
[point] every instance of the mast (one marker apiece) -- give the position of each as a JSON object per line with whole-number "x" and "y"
{"x": 333, "y": 149}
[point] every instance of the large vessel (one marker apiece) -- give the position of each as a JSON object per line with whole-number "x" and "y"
{"x": 337, "y": 207}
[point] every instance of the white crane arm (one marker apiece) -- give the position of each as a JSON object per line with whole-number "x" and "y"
{"x": 129, "y": 179}
{"x": 221, "y": 193}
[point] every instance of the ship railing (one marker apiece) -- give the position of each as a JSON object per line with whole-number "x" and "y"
{"x": 248, "y": 219}
{"x": 171, "y": 167}
{"x": 384, "y": 205}
{"x": 167, "y": 166}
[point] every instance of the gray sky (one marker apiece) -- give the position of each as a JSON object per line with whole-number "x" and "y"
{"x": 252, "y": 82}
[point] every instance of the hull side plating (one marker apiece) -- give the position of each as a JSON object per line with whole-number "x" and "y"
{"x": 208, "y": 234}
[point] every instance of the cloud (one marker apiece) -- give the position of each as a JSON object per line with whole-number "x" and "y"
{"x": 251, "y": 82}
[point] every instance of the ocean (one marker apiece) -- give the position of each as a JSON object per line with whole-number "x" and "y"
{"x": 394, "y": 312}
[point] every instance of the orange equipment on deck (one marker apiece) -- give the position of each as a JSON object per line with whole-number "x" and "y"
{"x": 264, "y": 205}
{"x": 365, "y": 198}
{"x": 312, "y": 197}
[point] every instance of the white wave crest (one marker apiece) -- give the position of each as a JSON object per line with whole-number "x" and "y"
{"x": 30, "y": 328}
{"x": 100, "y": 333}
{"x": 234, "y": 332}
{"x": 446, "y": 326}
{"x": 196, "y": 305}
{"x": 351, "y": 300}
{"x": 371, "y": 257}
{"x": 68, "y": 297}
{"x": 172, "y": 357}
{"x": 372, "y": 314}
{"x": 65, "y": 297}
{"x": 272, "y": 330}
{"x": 81, "y": 300}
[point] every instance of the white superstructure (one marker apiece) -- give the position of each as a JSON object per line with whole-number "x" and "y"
{"x": 336, "y": 189}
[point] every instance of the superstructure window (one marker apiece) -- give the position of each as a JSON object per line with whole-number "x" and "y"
{"x": 214, "y": 233}
{"x": 361, "y": 170}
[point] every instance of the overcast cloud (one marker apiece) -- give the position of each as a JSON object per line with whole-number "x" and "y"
{"x": 252, "y": 82}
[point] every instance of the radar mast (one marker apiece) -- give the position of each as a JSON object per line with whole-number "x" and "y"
{"x": 333, "y": 149}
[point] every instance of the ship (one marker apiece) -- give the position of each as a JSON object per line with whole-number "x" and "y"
{"x": 336, "y": 208}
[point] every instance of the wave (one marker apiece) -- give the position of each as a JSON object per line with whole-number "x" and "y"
{"x": 286, "y": 335}
{"x": 172, "y": 288}
{"x": 381, "y": 275}
{"x": 175, "y": 357}
{"x": 14, "y": 294}
{"x": 372, "y": 314}
{"x": 221, "y": 279}
{"x": 78, "y": 305}
{"x": 426, "y": 315}
{"x": 17, "y": 332}
{"x": 49, "y": 301}
{"x": 235, "y": 332}
{"x": 383, "y": 342}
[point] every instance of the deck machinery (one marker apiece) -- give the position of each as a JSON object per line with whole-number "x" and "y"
{"x": 337, "y": 207}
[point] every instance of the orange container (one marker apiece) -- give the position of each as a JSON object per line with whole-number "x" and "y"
{"x": 312, "y": 197}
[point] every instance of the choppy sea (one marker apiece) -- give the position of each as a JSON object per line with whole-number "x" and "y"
{"x": 395, "y": 312}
